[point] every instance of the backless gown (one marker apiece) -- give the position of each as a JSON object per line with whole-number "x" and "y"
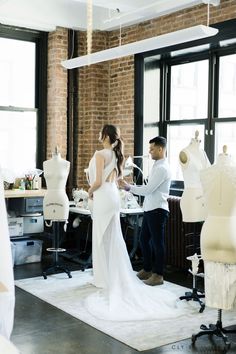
{"x": 121, "y": 296}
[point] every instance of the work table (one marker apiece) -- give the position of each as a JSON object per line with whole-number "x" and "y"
{"x": 18, "y": 193}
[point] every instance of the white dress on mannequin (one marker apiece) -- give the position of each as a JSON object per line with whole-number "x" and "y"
{"x": 7, "y": 290}
{"x": 218, "y": 235}
{"x": 56, "y": 202}
{"x": 192, "y": 160}
{"x": 122, "y": 296}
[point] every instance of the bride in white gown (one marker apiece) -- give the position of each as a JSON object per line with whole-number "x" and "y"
{"x": 121, "y": 295}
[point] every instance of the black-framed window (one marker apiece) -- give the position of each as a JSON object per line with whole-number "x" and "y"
{"x": 197, "y": 90}
{"x": 23, "y": 83}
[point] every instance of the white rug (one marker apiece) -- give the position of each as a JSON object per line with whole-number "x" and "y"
{"x": 68, "y": 295}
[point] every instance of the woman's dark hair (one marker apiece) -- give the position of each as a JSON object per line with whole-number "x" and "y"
{"x": 114, "y": 135}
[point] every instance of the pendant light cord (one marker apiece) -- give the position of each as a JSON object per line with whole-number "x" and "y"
{"x": 89, "y": 25}
{"x": 208, "y": 13}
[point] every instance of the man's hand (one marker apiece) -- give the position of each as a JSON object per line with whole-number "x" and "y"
{"x": 123, "y": 184}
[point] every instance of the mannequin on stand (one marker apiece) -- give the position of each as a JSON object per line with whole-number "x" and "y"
{"x": 192, "y": 160}
{"x": 218, "y": 240}
{"x": 192, "y": 204}
{"x": 56, "y": 202}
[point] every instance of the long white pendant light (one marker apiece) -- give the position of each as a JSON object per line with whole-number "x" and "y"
{"x": 145, "y": 45}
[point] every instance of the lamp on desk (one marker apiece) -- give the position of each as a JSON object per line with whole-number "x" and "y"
{"x": 129, "y": 165}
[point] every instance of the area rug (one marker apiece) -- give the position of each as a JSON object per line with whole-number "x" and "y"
{"x": 69, "y": 294}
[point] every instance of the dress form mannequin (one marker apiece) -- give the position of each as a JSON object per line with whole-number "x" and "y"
{"x": 218, "y": 235}
{"x": 7, "y": 290}
{"x": 218, "y": 244}
{"x": 56, "y": 202}
{"x": 192, "y": 160}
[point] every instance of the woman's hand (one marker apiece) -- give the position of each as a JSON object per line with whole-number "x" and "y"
{"x": 123, "y": 184}
{"x": 90, "y": 193}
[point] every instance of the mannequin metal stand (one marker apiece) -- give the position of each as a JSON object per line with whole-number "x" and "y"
{"x": 215, "y": 329}
{"x": 195, "y": 295}
{"x": 56, "y": 249}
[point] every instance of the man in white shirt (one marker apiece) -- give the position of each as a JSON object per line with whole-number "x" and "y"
{"x": 156, "y": 212}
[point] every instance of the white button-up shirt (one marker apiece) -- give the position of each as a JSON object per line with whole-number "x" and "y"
{"x": 156, "y": 191}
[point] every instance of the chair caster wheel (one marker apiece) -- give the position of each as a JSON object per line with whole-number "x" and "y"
{"x": 202, "y": 308}
{"x": 204, "y": 327}
{"x": 227, "y": 346}
{"x": 69, "y": 275}
{"x": 193, "y": 338}
{"x": 44, "y": 275}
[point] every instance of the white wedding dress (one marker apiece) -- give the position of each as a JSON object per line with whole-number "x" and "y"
{"x": 7, "y": 289}
{"x": 121, "y": 295}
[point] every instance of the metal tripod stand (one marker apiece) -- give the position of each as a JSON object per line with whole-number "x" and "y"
{"x": 194, "y": 295}
{"x": 215, "y": 329}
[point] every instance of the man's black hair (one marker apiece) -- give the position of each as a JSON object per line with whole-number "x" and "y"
{"x": 158, "y": 140}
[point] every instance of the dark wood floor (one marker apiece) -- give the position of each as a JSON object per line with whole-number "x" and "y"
{"x": 40, "y": 328}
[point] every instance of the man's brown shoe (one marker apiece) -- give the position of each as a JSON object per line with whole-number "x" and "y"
{"x": 143, "y": 275}
{"x": 155, "y": 279}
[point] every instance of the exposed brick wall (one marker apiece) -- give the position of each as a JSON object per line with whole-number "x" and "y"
{"x": 57, "y": 93}
{"x": 106, "y": 90}
{"x": 92, "y": 105}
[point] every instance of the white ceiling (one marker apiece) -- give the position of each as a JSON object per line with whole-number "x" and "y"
{"x": 46, "y": 15}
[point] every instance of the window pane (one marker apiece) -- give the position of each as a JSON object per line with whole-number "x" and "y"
{"x": 225, "y": 134}
{"x": 17, "y": 73}
{"x": 227, "y": 86}
{"x": 189, "y": 90}
{"x": 178, "y": 137}
{"x": 151, "y": 104}
{"x": 148, "y": 134}
{"x": 18, "y": 141}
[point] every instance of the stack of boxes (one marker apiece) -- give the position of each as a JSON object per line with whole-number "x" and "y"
{"x": 26, "y": 222}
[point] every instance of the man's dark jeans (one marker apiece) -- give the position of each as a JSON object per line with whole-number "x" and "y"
{"x": 152, "y": 239}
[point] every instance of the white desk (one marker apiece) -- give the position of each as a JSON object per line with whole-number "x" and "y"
{"x": 17, "y": 193}
{"x": 82, "y": 211}
{"x": 136, "y": 213}
{"x": 78, "y": 210}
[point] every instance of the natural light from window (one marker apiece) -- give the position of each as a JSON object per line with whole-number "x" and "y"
{"x": 189, "y": 90}
{"x": 18, "y": 116}
{"x": 225, "y": 134}
{"x": 227, "y": 86}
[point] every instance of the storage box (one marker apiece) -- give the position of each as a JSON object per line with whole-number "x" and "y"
{"x": 13, "y": 253}
{"x": 33, "y": 224}
{"x": 15, "y": 226}
{"x": 27, "y": 205}
{"x": 27, "y": 251}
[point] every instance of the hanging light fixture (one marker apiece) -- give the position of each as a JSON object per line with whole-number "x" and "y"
{"x": 89, "y": 26}
{"x": 165, "y": 40}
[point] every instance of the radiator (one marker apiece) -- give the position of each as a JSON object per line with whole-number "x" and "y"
{"x": 182, "y": 239}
